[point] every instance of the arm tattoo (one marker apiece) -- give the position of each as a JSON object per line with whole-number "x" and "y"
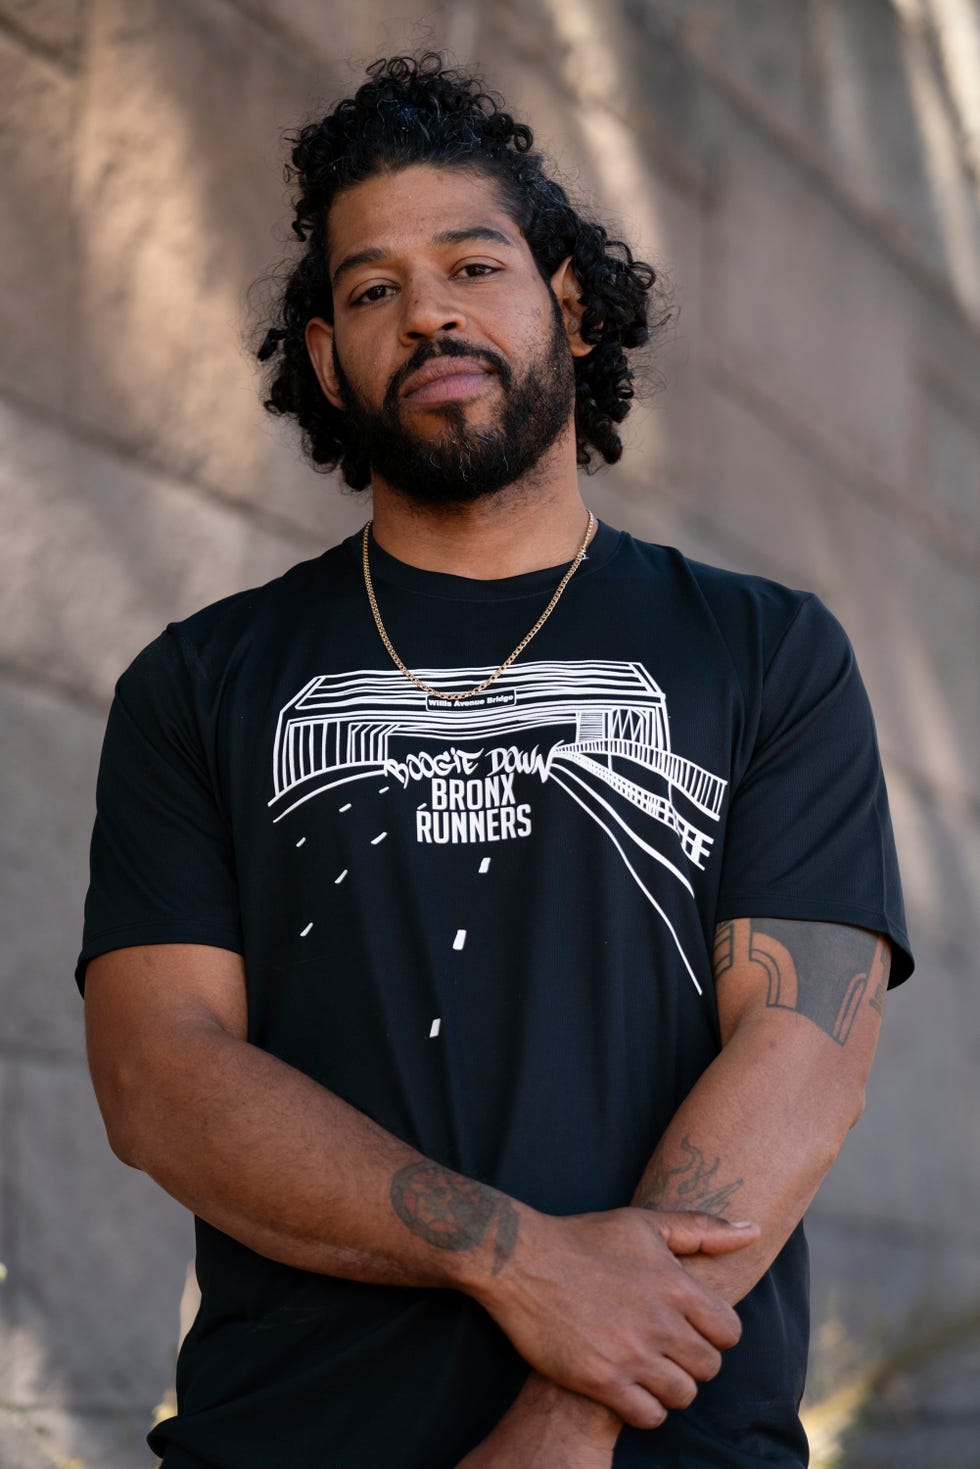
{"x": 877, "y": 1000}
{"x": 452, "y": 1212}
{"x": 820, "y": 970}
{"x": 693, "y": 1184}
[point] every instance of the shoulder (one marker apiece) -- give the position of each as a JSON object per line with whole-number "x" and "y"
{"x": 198, "y": 650}
{"x": 751, "y": 614}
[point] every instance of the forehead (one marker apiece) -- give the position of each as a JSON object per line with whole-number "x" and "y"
{"x": 398, "y": 211}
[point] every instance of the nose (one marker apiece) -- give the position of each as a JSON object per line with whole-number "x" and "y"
{"x": 429, "y": 307}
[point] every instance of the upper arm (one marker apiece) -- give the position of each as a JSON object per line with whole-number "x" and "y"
{"x": 162, "y": 861}
{"x": 832, "y": 975}
{"x": 808, "y": 829}
{"x": 138, "y": 1003}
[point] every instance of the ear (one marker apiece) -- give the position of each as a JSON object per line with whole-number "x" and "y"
{"x": 319, "y": 344}
{"x": 568, "y": 294}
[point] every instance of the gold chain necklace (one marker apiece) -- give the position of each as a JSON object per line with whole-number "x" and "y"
{"x": 478, "y": 689}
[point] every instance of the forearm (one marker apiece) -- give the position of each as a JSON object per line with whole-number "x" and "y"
{"x": 800, "y": 1007}
{"x": 280, "y": 1163}
{"x": 745, "y": 1145}
{"x": 762, "y": 1126}
{"x": 754, "y": 1140}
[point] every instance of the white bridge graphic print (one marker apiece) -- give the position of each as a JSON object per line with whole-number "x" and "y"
{"x": 604, "y": 740}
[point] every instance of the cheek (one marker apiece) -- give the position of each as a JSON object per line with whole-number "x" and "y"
{"x": 534, "y": 324}
{"x": 539, "y": 336}
{"x": 348, "y": 354}
{"x": 361, "y": 364}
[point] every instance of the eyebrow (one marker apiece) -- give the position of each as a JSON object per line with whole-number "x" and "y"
{"x": 374, "y": 254}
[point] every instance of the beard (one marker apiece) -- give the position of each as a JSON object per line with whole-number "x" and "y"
{"x": 463, "y": 463}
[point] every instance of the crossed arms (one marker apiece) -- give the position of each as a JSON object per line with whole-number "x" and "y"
{"x": 621, "y": 1313}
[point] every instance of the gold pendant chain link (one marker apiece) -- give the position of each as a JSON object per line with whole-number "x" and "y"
{"x": 478, "y": 688}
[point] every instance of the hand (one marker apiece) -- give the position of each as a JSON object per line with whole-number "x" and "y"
{"x": 598, "y": 1304}
{"x": 548, "y": 1428}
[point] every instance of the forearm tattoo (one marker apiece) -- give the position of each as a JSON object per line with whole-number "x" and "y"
{"x": 454, "y": 1213}
{"x": 692, "y": 1184}
{"x": 820, "y": 970}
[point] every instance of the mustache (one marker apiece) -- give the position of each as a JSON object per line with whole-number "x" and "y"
{"x": 451, "y": 347}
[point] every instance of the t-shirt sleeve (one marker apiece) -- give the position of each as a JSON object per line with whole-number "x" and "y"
{"x": 809, "y": 833}
{"x": 162, "y": 867}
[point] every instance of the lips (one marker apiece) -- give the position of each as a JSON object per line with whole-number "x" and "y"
{"x": 443, "y": 378}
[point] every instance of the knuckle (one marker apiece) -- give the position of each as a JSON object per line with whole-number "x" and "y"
{"x": 712, "y": 1365}
{"x": 676, "y": 1291}
{"x": 656, "y": 1327}
{"x": 600, "y": 1383}
{"x": 649, "y": 1415}
{"x": 726, "y": 1329}
{"x": 680, "y": 1394}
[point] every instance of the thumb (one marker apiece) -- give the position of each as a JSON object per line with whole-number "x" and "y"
{"x": 703, "y": 1234}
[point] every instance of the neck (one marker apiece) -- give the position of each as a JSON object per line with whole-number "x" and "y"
{"x": 521, "y": 528}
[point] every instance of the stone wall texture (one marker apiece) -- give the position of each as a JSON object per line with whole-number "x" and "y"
{"x": 806, "y": 173}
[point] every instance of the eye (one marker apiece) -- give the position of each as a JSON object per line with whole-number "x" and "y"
{"x": 372, "y": 293}
{"x": 477, "y": 269}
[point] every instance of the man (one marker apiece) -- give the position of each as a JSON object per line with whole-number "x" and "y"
{"x": 491, "y": 918}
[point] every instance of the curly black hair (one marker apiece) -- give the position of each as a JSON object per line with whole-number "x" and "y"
{"x": 417, "y": 110}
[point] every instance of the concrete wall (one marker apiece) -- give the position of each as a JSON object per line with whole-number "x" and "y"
{"x": 807, "y": 174}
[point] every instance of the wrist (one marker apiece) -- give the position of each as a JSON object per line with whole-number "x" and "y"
{"x": 588, "y": 1422}
{"x": 465, "y": 1231}
{"x": 488, "y": 1271}
{"x": 478, "y": 1261}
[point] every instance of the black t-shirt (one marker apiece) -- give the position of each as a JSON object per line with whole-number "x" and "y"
{"x": 488, "y": 926}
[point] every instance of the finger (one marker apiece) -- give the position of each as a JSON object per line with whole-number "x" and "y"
{"x": 693, "y": 1353}
{"x": 636, "y": 1406}
{"x": 670, "y": 1384}
{"x": 696, "y": 1234}
{"x": 717, "y": 1322}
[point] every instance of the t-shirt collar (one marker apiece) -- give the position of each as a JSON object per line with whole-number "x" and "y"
{"x": 387, "y": 568}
